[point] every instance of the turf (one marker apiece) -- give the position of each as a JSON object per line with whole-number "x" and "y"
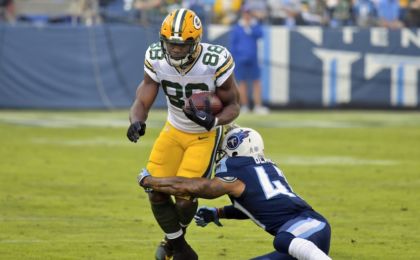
{"x": 68, "y": 185}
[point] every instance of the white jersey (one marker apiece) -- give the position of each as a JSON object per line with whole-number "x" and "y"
{"x": 210, "y": 70}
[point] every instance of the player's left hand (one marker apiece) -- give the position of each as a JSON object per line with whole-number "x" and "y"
{"x": 206, "y": 215}
{"x": 141, "y": 177}
{"x": 136, "y": 130}
{"x": 201, "y": 117}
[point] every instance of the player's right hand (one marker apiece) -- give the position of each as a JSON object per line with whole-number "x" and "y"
{"x": 206, "y": 215}
{"x": 201, "y": 117}
{"x": 136, "y": 130}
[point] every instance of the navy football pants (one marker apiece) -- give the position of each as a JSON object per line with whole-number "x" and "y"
{"x": 309, "y": 225}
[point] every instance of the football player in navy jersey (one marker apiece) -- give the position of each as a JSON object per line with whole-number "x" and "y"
{"x": 259, "y": 191}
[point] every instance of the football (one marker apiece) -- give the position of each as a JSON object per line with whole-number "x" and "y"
{"x": 199, "y": 101}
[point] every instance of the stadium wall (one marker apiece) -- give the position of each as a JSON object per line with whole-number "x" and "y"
{"x": 75, "y": 67}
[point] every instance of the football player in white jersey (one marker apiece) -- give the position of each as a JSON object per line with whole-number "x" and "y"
{"x": 181, "y": 65}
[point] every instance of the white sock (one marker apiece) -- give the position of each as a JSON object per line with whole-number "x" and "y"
{"x": 174, "y": 235}
{"x": 303, "y": 249}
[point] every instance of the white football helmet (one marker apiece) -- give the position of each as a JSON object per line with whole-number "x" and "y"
{"x": 243, "y": 142}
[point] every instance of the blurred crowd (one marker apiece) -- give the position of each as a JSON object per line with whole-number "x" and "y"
{"x": 329, "y": 13}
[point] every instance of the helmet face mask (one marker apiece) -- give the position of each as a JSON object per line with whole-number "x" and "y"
{"x": 180, "y": 36}
{"x": 243, "y": 142}
{"x": 177, "y": 51}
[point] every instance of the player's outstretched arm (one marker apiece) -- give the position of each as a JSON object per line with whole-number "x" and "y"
{"x": 180, "y": 186}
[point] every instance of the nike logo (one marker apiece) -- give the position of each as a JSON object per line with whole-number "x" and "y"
{"x": 202, "y": 137}
{"x": 201, "y": 117}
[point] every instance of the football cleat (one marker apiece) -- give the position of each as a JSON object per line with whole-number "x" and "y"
{"x": 187, "y": 253}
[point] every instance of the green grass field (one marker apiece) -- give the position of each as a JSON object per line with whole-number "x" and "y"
{"x": 68, "y": 185}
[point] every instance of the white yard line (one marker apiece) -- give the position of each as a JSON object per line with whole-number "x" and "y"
{"x": 273, "y": 120}
{"x": 329, "y": 160}
{"x": 89, "y": 142}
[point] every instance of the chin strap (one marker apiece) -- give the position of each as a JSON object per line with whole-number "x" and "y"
{"x": 190, "y": 57}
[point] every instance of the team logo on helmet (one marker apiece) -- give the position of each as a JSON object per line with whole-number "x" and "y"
{"x": 236, "y": 139}
{"x": 197, "y": 23}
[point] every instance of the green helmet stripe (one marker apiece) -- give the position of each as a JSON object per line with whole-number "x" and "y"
{"x": 173, "y": 22}
{"x": 178, "y": 22}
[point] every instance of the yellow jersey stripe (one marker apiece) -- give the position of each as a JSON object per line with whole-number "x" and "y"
{"x": 224, "y": 68}
{"x": 149, "y": 66}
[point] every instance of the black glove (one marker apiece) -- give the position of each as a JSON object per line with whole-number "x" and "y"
{"x": 136, "y": 130}
{"x": 206, "y": 215}
{"x": 201, "y": 117}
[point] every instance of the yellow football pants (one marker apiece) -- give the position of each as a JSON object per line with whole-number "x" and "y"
{"x": 177, "y": 153}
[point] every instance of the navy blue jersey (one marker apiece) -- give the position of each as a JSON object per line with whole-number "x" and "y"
{"x": 267, "y": 199}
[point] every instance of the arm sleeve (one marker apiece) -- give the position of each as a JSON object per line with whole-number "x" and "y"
{"x": 230, "y": 212}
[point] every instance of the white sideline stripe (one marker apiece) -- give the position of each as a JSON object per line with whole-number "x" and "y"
{"x": 117, "y": 123}
{"x": 158, "y": 120}
{"x": 91, "y": 142}
{"x": 70, "y": 122}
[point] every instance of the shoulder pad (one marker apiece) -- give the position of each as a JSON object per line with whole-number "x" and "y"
{"x": 221, "y": 166}
{"x": 153, "y": 55}
{"x": 154, "y": 52}
{"x": 225, "y": 64}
